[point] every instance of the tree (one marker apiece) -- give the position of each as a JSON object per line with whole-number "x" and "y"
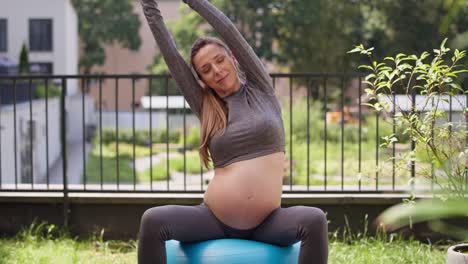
{"x": 257, "y": 22}
{"x": 23, "y": 67}
{"x": 456, "y": 20}
{"x": 314, "y": 35}
{"x": 105, "y": 22}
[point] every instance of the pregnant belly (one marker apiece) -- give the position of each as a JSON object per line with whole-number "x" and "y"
{"x": 243, "y": 194}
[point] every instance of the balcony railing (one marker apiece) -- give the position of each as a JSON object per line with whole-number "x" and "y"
{"x": 111, "y": 133}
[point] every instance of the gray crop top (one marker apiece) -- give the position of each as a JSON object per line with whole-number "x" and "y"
{"x": 255, "y": 126}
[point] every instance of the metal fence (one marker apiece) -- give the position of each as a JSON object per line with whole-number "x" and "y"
{"x": 55, "y": 141}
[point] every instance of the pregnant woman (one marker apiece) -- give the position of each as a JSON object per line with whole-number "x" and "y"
{"x": 242, "y": 133}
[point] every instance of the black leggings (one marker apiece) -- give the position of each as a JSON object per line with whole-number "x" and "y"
{"x": 284, "y": 226}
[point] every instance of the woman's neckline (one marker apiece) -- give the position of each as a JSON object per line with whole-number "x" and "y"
{"x": 234, "y": 94}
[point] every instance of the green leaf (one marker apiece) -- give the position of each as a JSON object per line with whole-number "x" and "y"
{"x": 456, "y": 86}
{"x": 404, "y": 66}
{"x": 443, "y": 115}
{"x": 368, "y": 104}
{"x": 442, "y": 46}
{"x": 424, "y": 55}
{"x": 366, "y": 67}
{"x": 357, "y": 48}
{"x": 370, "y": 76}
{"x": 382, "y": 85}
{"x": 369, "y": 91}
{"x": 423, "y": 210}
{"x": 380, "y": 65}
{"x": 368, "y": 51}
{"x": 400, "y": 55}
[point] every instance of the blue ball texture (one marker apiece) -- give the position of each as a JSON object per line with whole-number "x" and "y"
{"x": 230, "y": 251}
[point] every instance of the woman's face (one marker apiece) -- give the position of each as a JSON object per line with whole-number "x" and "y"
{"x": 217, "y": 69}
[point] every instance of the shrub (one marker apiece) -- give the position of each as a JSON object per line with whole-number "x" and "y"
{"x": 142, "y": 137}
{"x": 299, "y": 124}
{"x": 193, "y": 138}
{"x": 52, "y": 91}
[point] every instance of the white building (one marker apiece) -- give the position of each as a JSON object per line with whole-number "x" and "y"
{"x": 455, "y": 104}
{"x": 159, "y": 109}
{"x": 49, "y": 28}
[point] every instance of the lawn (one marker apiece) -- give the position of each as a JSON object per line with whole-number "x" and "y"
{"x": 38, "y": 245}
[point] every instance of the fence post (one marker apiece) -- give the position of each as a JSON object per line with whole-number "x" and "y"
{"x": 413, "y": 143}
{"x": 63, "y": 128}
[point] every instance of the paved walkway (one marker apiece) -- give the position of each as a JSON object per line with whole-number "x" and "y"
{"x": 75, "y": 170}
{"x": 177, "y": 180}
{"x": 74, "y": 165}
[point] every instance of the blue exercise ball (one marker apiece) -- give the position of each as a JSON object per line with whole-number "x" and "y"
{"x": 230, "y": 251}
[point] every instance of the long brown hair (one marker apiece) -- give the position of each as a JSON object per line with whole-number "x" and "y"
{"x": 214, "y": 112}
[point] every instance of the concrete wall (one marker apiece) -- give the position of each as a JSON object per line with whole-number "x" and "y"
{"x": 142, "y": 120}
{"x": 119, "y": 214}
{"x": 75, "y": 118}
{"x": 23, "y": 140}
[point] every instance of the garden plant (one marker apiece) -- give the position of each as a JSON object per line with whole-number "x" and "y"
{"x": 435, "y": 78}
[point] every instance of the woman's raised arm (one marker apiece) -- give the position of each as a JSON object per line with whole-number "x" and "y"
{"x": 251, "y": 64}
{"x": 179, "y": 69}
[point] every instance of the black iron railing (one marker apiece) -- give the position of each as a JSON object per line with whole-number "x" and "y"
{"x": 58, "y": 121}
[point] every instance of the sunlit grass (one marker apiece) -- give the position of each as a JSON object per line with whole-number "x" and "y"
{"x": 41, "y": 244}
{"x": 372, "y": 250}
{"x": 46, "y": 244}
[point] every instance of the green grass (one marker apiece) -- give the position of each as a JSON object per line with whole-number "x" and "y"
{"x": 316, "y": 161}
{"x": 61, "y": 251}
{"x": 176, "y": 163}
{"x": 371, "y": 250}
{"x": 350, "y": 164}
{"x": 316, "y": 164}
{"x": 125, "y": 159}
{"x": 45, "y": 244}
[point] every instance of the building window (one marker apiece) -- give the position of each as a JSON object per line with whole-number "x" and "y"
{"x": 40, "y": 34}
{"x": 3, "y": 34}
{"x": 42, "y": 68}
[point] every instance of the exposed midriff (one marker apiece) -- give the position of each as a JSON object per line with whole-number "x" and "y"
{"x": 244, "y": 193}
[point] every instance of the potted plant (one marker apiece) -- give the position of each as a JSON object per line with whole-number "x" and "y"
{"x": 428, "y": 84}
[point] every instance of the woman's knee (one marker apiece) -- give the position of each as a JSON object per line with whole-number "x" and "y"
{"x": 313, "y": 219}
{"x": 152, "y": 220}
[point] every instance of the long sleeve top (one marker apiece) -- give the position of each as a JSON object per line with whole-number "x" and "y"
{"x": 255, "y": 126}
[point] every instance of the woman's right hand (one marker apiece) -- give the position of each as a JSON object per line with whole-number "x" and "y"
{"x": 151, "y": 10}
{"x": 149, "y": 2}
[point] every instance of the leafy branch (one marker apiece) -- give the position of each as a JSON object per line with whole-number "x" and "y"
{"x": 433, "y": 80}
